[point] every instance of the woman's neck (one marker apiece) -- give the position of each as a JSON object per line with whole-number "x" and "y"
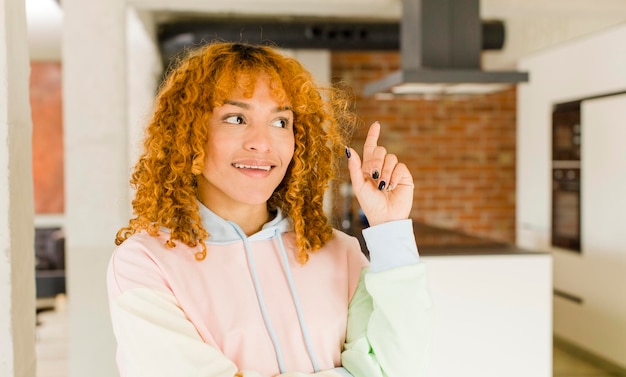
{"x": 249, "y": 218}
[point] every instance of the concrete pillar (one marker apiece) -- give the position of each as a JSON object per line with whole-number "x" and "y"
{"x": 144, "y": 70}
{"x": 96, "y": 172}
{"x": 17, "y": 257}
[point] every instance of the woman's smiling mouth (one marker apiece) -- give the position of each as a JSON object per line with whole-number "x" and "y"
{"x": 256, "y": 167}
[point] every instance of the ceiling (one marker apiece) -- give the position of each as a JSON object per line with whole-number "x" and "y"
{"x": 531, "y": 25}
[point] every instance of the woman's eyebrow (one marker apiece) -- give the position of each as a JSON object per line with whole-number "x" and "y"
{"x": 247, "y": 106}
{"x": 243, "y": 105}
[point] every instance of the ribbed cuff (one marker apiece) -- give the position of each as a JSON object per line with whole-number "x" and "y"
{"x": 391, "y": 245}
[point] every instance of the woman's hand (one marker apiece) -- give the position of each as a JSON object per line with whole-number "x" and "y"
{"x": 382, "y": 185}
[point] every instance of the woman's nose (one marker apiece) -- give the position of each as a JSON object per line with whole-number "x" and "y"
{"x": 258, "y": 138}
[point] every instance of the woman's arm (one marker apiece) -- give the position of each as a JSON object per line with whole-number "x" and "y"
{"x": 156, "y": 339}
{"x": 389, "y": 315}
{"x": 394, "y": 340}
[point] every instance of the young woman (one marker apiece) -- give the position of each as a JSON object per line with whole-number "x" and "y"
{"x": 230, "y": 267}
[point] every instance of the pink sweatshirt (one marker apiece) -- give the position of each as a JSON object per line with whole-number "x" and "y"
{"x": 251, "y": 308}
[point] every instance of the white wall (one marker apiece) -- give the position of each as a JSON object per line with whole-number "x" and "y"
{"x": 590, "y": 66}
{"x": 44, "y": 21}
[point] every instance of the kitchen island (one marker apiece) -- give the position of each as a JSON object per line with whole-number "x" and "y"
{"x": 492, "y": 305}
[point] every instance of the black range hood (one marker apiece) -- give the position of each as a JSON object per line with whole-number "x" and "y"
{"x": 440, "y": 48}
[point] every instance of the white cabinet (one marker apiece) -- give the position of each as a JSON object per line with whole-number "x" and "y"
{"x": 586, "y": 68}
{"x": 492, "y": 315}
{"x": 599, "y": 323}
{"x": 604, "y": 179}
{"x": 597, "y": 276}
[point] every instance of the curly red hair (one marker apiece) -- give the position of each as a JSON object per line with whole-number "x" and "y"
{"x": 165, "y": 175}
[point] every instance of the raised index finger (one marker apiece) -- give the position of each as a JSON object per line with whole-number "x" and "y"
{"x": 371, "y": 142}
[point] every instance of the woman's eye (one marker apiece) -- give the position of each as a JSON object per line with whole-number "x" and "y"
{"x": 234, "y": 119}
{"x": 281, "y": 123}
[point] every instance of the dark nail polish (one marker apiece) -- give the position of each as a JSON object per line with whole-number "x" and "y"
{"x": 381, "y": 185}
{"x": 375, "y": 174}
{"x": 348, "y": 154}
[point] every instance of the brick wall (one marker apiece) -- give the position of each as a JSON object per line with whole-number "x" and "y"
{"x": 46, "y": 112}
{"x": 461, "y": 152}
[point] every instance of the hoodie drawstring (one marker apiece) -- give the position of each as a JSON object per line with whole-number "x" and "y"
{"x": 294, "y": 296}
{"x": 296, "y": 302}
{"x": 259, "y": 295}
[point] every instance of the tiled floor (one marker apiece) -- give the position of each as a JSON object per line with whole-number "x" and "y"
{"x": 52, "y": 350}
{"x": 52, "y": 341}
{"x": 566, "y": 364}
{"x": 569, "y": 363}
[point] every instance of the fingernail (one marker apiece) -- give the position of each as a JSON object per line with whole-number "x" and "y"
{"x": 381, "y": 185}
{"x": 348, "y": 154}
{"x": 389, "y": 186}
{"x": 375, "y": 174}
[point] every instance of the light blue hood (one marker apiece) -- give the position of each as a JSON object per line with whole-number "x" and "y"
{"x": 222, "y": 232}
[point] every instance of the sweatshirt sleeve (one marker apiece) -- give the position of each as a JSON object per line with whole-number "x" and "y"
{"x": 155, "y": 339}
{"x": 389, "y": 317}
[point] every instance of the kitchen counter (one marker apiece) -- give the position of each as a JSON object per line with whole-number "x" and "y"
{"x": 436, "y": 241}
{"x": 489, "y": 298}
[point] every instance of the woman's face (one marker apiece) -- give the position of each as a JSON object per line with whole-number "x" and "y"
{"x": 250, "y": 145}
